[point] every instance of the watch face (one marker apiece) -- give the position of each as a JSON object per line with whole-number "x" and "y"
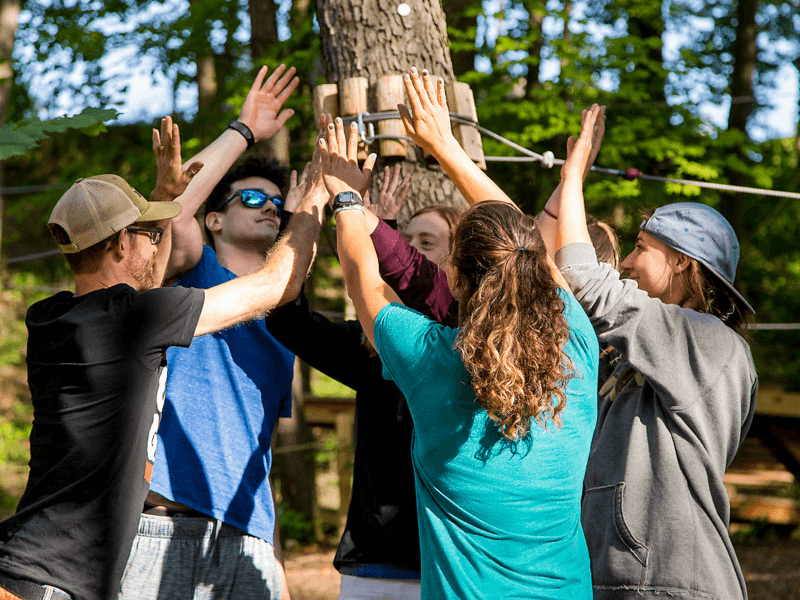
{"x": 347, "y": 199}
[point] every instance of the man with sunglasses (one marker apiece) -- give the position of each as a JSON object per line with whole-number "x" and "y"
{"x": 208, "y": 525}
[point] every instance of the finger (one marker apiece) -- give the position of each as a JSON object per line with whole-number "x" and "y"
{"x": 395, "y": 177}
{"x": 270, "y": 82}
{"x": 366, "y": 170}
{"x": 176, "y": 144}
{"x": 413, "y": 97}
{"x": 285, "y": 115}
{"x": 304, "y": 174}
{"x": 288, "y": 90}
{"x": 193, "y": 169}
{"x": 341, "y": 141}
{"x": 352, "y": 142}
{"x": 366, "y": 200}
{"x": 331, "y": 140}
{"x": 428, "y": 83}
{"x": 422, "y": 93}
{"x": 441, "y": 97}
{"x": 325, "y": 155}
{"x": 293, "y": 179}
{"x": 405, "y": 117}
{"x": 387, "y": 173}
{"x": 262, "y": 72}
{"x": 156, "y": 140}
{"x": 402, "y": 191}
{"x": 284, "y": 81}
{"x": 570, "y": 145}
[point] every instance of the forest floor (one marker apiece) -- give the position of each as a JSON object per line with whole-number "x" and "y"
{"x": 771, "y": 569}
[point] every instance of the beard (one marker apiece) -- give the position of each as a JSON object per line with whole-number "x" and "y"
{"x": 142, "y": 273}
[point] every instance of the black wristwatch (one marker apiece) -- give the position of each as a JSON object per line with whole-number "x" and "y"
{"x": 344, "y": 200}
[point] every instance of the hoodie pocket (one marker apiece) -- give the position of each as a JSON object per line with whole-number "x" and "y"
{"x": 617, "y": 556}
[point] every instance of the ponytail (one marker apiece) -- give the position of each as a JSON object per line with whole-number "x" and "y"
{"x": 513, "y": 328}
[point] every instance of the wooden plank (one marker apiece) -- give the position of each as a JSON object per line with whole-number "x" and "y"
{"x": 353, "y": 100}
{"x": 389, "y": 92}
{"x": 782, "y": 511}
{"x": 326, "y": 100}
{"x": 777, "y": 402}
{"x": 462, "y": 102}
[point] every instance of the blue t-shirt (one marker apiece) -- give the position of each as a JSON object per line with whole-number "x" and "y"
{"x": 496, "y": 520}
{"x": 224, "y": 395}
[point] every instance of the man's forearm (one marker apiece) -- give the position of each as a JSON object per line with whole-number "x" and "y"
{"x": 278, "y": 281}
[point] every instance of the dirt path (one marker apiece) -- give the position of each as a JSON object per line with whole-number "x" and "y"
{"x": 771, "y": 568}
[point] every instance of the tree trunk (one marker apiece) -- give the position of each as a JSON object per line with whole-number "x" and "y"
{"x": 9, "y": 17}
{"x": 537, "y": 10}
{"x": 263, "y": 36}
{"x": 369, "y": 39}
{"x": 742, "y": 85}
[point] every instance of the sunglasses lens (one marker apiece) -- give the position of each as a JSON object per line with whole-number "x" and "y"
{"x": 254, "y": 198}
{"x": 278, "y": 202}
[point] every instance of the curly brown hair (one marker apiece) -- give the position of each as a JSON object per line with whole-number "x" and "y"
{"x": 513, "y": 328}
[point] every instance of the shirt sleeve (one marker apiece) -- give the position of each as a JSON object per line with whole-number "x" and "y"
{"x": 166, "y": 317}
{"x": 681, "y": 352}
{"x": 403, "y": 338}
{"x": 420, "y": 284}
{"x": 335, "y": 349}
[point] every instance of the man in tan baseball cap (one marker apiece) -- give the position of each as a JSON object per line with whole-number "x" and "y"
{"x": 88, "y": 221}
{"x": 97, "y": 371}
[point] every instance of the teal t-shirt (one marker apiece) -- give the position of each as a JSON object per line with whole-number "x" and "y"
{"x": 497, "y": 520}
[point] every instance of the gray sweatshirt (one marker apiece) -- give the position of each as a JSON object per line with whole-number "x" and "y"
{"x": 671, "y": 417}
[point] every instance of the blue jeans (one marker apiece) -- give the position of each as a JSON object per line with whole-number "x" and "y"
{"x": 187, "y": 558}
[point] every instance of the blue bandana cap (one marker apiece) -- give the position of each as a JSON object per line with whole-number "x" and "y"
{"x": 701, "y": 233}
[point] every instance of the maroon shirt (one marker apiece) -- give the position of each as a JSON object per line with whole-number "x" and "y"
{"x": 420, "y": 284}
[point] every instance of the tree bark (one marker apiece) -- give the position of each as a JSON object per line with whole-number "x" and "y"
{"x": 742, "y": 85}
{"x": 9, "y": 17}
{"x": 369, "y": 38}
{"x": 537, "y": 10}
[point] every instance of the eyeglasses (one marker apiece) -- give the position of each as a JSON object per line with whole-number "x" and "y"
{"x": 256, "y": 199}
{"x": 154, "y": 234}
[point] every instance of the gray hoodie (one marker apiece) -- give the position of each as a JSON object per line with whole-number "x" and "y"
{"x": 671, "y": 417}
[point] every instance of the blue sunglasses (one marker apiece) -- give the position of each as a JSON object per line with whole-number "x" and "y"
{"x": 256, "y": 199}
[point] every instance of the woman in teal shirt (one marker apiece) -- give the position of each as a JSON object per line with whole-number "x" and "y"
{"x": 504, "y": 406}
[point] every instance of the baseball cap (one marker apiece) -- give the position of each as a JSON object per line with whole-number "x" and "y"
{"x": 701, "y": 233}
{"x": 95, "y": 208}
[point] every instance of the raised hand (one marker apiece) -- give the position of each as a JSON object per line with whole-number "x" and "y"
{"x": 261, "y": 110}
{"x": 429, "y": 126}
{"x": 579, "y": 152}
{"x": 340, "y": 169}
{"x": 392, "y": 195}
{"x": 310, "y": 182}
{"x": 171, "y": 179}
{"x": 597, "y": 138}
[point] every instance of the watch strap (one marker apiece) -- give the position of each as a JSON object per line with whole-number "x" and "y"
{"x": 244, "y": 130}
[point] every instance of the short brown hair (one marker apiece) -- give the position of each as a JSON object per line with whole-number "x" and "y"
{"x": 88, "y": 260}
{"x": 605, "y": 241}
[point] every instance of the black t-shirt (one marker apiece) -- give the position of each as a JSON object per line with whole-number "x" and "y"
{"x": 96, "y": 370}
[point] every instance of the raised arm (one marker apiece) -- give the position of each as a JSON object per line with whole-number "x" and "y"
{"x": 262, "y": 115}
{"x": 356, "y": 254}
{"x": 572, "y": 215}
{"x": 547, "y": 220}
{"x": 429, "y": 127}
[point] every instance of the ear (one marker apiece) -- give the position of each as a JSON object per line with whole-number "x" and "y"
{"x": 682, "y": 262}
{"x": 122, "y": 247}
{"x": 213, "y": 222}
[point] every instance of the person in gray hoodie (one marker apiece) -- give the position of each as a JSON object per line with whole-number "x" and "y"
{"x": 677, "y": 404}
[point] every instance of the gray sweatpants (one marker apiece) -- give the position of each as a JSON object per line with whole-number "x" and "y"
{"x": 186, "y": 558}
